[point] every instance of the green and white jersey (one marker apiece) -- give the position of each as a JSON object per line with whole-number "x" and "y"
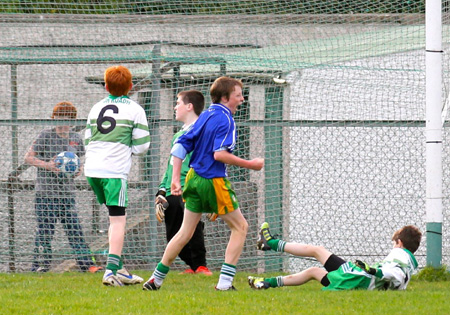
{"x": 393, "y": 273}
{"x": 397, "y": 269}
{"x": 167, "y": 179}
{"x": 116, "y": 129}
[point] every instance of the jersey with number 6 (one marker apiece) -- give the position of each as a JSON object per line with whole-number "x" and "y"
{"x": 116, "y": 129}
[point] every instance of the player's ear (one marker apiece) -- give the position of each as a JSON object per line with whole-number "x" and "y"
{"x": 224, "y": 99}
{"x": 106, "y": 87}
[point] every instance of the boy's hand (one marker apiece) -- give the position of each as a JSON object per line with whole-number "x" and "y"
{"x": 256, "y": 164}
{"x": 51, "y": 166}
{"x": 175, "y": 189}
{"x": 364, "y": 266}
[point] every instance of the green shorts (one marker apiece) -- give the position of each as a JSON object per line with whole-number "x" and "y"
{"x": 110, "y": 191}
{"x": 213, "y": 195}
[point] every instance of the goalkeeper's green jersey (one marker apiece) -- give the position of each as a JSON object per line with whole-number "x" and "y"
{"x": 393, "y": 273}
{"x": 167, "y": 179}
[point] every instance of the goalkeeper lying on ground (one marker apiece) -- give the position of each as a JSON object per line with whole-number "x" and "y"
{"x": 393, "y": 273}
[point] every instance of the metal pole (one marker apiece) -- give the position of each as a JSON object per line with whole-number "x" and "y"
{"x": 434, "y": 132}
{"x": 15, "y": 162}
{"x": 153, "y": 153}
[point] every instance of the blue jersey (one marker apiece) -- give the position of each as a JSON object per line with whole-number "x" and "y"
{"x": 213, "y": 131}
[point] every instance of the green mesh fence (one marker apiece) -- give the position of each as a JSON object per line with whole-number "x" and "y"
{"x": 335, "y": 103}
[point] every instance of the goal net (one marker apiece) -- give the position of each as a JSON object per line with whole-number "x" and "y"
{"x": 334, "y": 102}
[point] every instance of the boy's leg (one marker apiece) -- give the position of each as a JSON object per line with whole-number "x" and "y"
{"x": 72, "y": 227}
{"x": 174, "y": 247}
{"x": 173, "y": 219}
{"x": 300, "y": 278}
{"x": 198, "y": 250}
{"x": 46, "y": 220}
{"x": 239, "y": 227}
{"x": 113, "y": 192}
{"x": 116, "y": 274}
{"x": 303, "y": 250}
{"x": 267, "y": 242}
{"x": 116, "y": 238}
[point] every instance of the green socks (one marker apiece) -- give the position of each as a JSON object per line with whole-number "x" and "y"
{"x": 114, "y": 263}
{"x": 276, "y": 245}
{"x": 275, "y": 282}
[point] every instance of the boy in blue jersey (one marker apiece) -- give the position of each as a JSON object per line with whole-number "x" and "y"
{"x": 211, "y": 141}
{"x": 393, "y": 273}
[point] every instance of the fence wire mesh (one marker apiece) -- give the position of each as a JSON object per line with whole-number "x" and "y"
{"x": 335, "y": 103}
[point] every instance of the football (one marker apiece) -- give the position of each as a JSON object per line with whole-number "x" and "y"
{"x": 68, "y": 163}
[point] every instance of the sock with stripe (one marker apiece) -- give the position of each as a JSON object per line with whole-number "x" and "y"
{"x": 112, "y": 263}
{"x": 276, "y": 245}
{"x": 275, "y": 282}
{"x": 160, "y": 273}
{"x": 226, "y": 276}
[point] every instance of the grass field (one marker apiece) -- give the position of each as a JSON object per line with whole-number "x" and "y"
{"x": 77, "y": 293}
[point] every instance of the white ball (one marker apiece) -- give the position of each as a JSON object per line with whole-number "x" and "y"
{"x": 68, "y": 163}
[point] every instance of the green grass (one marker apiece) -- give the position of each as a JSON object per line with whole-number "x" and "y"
{"x": 77, "y": 293}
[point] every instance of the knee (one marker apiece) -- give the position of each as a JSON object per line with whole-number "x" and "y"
{"x": 243, "y": 227}
{"x": 184, "y": 235}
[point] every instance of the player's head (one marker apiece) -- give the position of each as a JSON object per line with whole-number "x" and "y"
{"x": 118, "y": 80}
{"x": 223, "y": 87}
{"x": 193, "y": 97}
{"x": 410, "y": 237}
{"x": 64, "y": 110}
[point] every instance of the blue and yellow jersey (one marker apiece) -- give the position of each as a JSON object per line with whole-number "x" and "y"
{"x": 214, "y": 131}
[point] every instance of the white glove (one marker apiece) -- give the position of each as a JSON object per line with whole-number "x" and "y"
{"x": 161, "y": 205}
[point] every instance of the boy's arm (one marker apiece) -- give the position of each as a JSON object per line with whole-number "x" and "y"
{"x": 175, "y": 187}
{"x": 32, "y": 159}
{"x": 373, "y": 271}
{"x": 32, "y": 155}
{"x": 231, "y": 159}
{"x": 87, "y": 132}
{"x": 140, "y": 140}
{"x": 397, "y": 275}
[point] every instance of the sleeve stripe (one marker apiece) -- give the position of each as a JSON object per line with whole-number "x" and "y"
{"x": 140, "y": 141}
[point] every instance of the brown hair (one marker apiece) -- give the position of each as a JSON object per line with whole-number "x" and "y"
{"x": 194, "y": 97}
{"x": 64, "y": 110}
{"x": 223, "y": 87}
{"x": 410, "y": 237}
{"x": 118, "y": 80}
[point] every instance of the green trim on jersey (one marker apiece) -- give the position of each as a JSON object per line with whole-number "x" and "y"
{"x": 167, "y": 179}
{"x": 140, "y": 141}
{"x": 413, "y": 258}
{"x": 141, "y": 126}
{"x": 121, "y": 135}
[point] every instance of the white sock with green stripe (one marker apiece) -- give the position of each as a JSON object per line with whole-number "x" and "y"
{"x": 160, "y": 273}
{"x": 226, "y": 276}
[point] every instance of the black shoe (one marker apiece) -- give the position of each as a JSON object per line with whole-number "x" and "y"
{"x": 232, "y": 288}
{"x": 150, "y": 285}
{"x": 264, "y": 237}
{"x": 258, "y": 283}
